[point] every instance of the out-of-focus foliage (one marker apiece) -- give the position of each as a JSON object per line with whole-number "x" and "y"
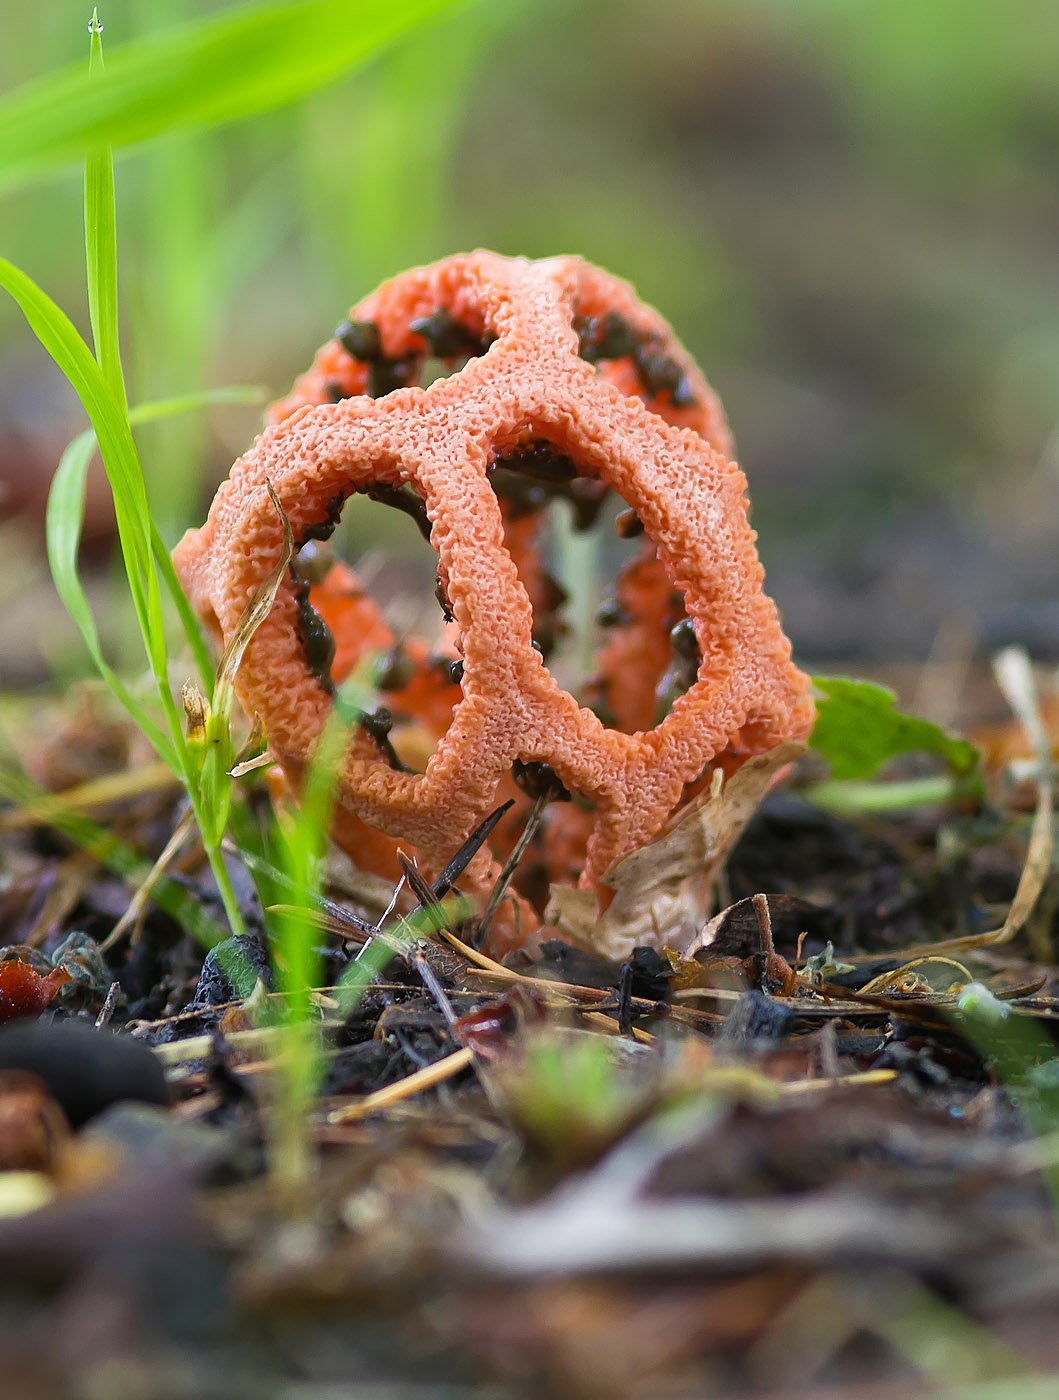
{"x": 209, "y": 72}
{"x": 848, "y": 212}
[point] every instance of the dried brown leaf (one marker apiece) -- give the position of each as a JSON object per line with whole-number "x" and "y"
{"x": 663, "y": 892}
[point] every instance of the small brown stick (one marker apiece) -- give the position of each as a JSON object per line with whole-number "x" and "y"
{"x": 96, "y": 792}
{"x": 470, "y": 848}
{"x": 138, "y": 903}
{"x": 864, "y": 1079}
{"x": 609, "y": 1026}
{"x": 764, "y": 923}
{"x": 196, "y": 1047}
{"x": 424, "y": 893}
{"x": 106, "y": 1011}
{"x": 533, "y": 821}
{"x": 480, "y": 960}
{"x": 429, "y": 979}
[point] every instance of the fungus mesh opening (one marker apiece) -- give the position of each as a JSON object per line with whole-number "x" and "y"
{"x": 361, "y": 360}
{"x": 557, "y": 848}
{"x": 646, "y": 653}
{"x": 365, "y": 582}
{"x": 639, "y": 363}
{"x": 611, "y": 628}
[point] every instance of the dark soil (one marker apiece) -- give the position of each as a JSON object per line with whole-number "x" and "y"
{"x": 702, "y": 1208}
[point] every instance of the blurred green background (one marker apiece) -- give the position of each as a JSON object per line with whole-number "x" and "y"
{"x": 848, "y": 211}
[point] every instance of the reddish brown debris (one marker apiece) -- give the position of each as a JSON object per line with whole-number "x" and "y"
{"x": 26, "y": 992}
{"x": 33, "y": 1128}
{"x": 569, "y": 376}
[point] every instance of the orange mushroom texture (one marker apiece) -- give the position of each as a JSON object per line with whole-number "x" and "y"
{"x": 561, "y": 354}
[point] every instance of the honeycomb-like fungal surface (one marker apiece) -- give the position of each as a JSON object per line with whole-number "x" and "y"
{"x": 541, "y": 370}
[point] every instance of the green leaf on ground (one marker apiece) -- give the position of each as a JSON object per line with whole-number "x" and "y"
{"x": 859, "y": 729}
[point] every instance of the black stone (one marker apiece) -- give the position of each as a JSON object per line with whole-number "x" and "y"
{"x": 755, "y": 1020}
{"x": 84, "y": 1070}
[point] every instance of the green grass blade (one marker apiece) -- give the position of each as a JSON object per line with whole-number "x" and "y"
{"x": 218, "y": 69}
{"x": 63, "y": 525}
{"x": 158, "y": 409}
{"x": 150, "y": 413}
{"x": 55, "y": 331}
{"x": 101, "y": 240}
{"x": 101, "y": 266}
{"x": 185, "y": 612}
{"x": 64, "y": 520}
{"x": 302, "y": 839}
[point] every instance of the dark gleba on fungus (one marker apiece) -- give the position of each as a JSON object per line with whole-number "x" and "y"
{"x": 558, "y": 384}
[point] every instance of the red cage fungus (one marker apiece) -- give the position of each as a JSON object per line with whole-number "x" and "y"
{"x": 557, "y": 384}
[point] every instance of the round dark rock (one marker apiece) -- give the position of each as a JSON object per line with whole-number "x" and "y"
{"x": 85, "y": 1070}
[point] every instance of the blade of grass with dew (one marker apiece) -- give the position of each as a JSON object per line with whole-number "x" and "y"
{"x": 64, "y": 519}
{"x": 107, "y": 408}
{"x": 101, "y": 240}
{"x": 101, "y": 267}
{"x": 214, "y": 70}
{"x": 210, "y": 800}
